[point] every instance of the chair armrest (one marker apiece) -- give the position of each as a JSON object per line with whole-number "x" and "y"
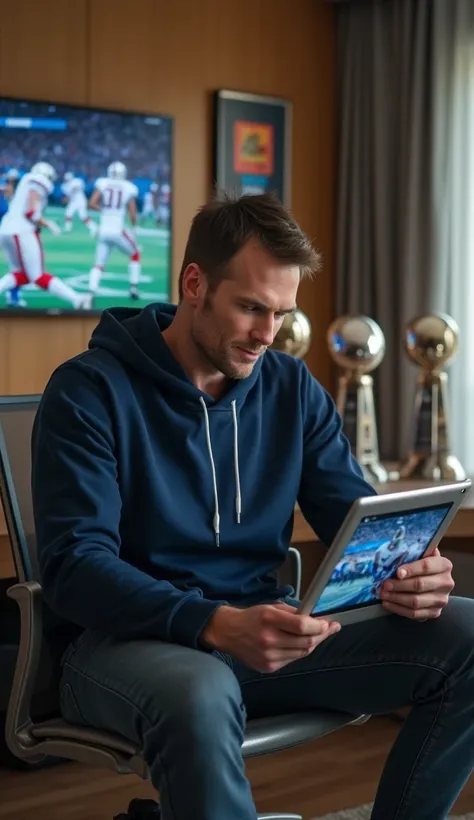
{"x": 295, "y": 556}
{"x": 18, "y": 724}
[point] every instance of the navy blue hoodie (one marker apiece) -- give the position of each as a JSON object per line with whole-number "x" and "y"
{"x": 155, "y": 503}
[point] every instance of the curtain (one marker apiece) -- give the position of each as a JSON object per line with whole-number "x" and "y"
{"x": 401, "y": 185}
{"x": 453, "y": 173}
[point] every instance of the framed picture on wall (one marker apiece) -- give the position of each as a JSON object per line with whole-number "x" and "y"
{"x": 252, "y": 144}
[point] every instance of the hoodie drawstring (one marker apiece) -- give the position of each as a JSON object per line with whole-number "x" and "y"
{"x": 238, "y": 497}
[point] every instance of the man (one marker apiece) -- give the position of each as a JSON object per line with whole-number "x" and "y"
{"x": 150, "y": 203}
{"x": 21, "y": 242}
{"x": 73, "y": 189}
{"x": 167, "y": 461}
{"x": 8, "y": 187}
{"x": 115, "y": 197}
{"x": 163, "y": 212}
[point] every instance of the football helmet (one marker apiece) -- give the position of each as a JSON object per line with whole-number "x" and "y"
{"x": 117, "y": 170}
{"x": 45, "y": 170}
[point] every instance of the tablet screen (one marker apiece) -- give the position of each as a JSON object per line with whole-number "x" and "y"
{"x": 380, "y": 544}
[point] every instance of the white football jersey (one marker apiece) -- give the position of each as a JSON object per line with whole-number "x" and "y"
{"x": 165, "y": 192}
{"x": 74, "y": 189}
{"x": 115, "y": 196}
{"x": 386, "y": 560}
{"x": 15, "y": 220}
{"x": 148, "y": 200}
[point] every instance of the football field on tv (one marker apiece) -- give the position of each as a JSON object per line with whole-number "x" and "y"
{"x": 70, "y": 257}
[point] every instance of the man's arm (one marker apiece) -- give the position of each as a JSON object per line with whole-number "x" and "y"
{"x": 33, "y": 213}
{"x": 331, "y": 478}
{"x": 77, "y": 509}
{"x": 94, "y": 201}
{"x": 132, "y": 211}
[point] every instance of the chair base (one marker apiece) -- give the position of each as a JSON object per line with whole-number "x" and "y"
{"x": 150, "y": 810}
{"x": 279, "y": 816}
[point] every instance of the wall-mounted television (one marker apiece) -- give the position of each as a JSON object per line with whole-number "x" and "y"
{"x": 85, "y": 208}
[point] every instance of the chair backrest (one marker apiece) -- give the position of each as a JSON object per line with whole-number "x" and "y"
{"x": 17, "y": 414}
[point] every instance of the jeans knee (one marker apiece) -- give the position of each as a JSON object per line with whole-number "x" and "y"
{"x": 204, "y": 701}
{"x": 454, "y": 633}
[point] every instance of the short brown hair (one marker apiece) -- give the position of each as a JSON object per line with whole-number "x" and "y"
{"x": 224, "y": 225}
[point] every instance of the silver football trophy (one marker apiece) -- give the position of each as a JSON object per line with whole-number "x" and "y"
{"x": 357, "y": 345}
{"x": 430, "y": 342}
{"x": 294, "y": 336}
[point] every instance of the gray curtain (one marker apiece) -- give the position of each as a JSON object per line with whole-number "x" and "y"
{"x": 453, "y": 203}
{"x": 393, "y": 73}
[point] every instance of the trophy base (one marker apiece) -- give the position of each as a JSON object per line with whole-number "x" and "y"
{"x": 375, "y": 473}
{"x": 432, "y": 467}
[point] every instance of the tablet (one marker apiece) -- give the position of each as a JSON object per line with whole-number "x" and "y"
{"x": 379, "y": 534}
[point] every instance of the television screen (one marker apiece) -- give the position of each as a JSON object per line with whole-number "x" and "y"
{"x": 85, "y": 208}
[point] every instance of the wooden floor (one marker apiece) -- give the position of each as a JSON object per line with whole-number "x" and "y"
{"x": 336, "y": 772}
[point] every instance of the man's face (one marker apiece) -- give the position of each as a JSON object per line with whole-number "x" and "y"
{"x": 233, "y": 325}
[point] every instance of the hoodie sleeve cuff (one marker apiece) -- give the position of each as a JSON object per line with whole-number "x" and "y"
{"x": 190, "y": 619}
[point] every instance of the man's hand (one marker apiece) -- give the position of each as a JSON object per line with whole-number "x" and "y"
{"x": 421, "y": 589}
{"x": 52, "y": 226}
{"x": 266, "y": 637}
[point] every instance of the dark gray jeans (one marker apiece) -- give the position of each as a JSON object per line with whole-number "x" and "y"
{"x": 188, "y": 709}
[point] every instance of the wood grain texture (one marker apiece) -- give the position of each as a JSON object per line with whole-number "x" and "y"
{"x": 462, "y": 526}
{"x": 43, "y": 49}
{"x": 4, "y": 357}
{"x": 169, "y": 58}
{"x": 47, "y": 348}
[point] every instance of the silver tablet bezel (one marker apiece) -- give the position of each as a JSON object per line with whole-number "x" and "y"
{"x": 403, "y": 501}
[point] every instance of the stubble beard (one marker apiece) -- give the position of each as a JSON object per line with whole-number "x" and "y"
{"x": 220, "y": 357}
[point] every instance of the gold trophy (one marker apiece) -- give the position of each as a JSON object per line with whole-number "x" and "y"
{"x": 430, "y": 342}
{"x": 294, "y": 336}
{"x": 357, "y": 345}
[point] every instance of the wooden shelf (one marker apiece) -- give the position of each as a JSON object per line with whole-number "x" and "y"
{"x": 462, "y": 525}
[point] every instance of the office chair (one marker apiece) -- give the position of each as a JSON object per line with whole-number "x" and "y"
{"x": 35, "y": 730}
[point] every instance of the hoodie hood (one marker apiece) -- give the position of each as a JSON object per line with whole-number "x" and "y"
{"x": 134, "y": 336}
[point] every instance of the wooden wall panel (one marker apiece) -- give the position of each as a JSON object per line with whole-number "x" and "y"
{"x": 4, "y": 357}
{"x": 43, "y": 49}
{"x": 42, "y": 346}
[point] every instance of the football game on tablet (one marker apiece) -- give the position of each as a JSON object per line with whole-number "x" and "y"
{"x": 380, "y": 544}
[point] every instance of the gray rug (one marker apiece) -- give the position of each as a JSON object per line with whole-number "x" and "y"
{"x": 363, "y": 813}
